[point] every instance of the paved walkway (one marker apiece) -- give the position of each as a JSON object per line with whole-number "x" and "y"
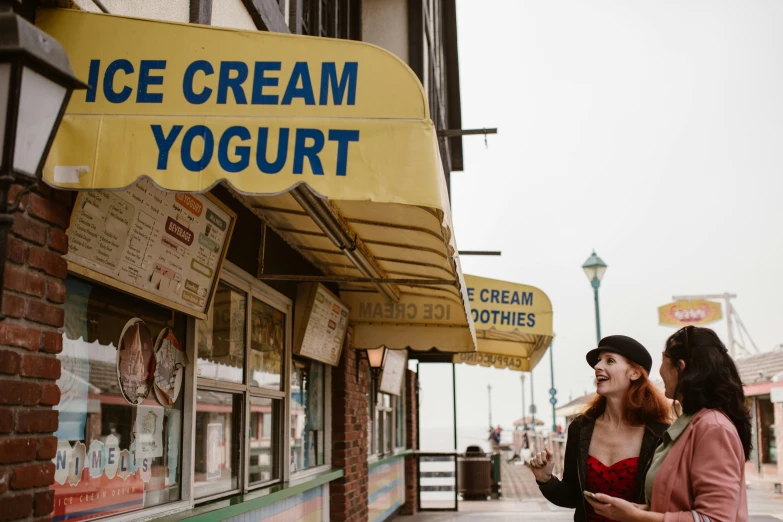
{"x": 523, "y": 502}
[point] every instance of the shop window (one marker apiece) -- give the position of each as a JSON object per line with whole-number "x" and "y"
{"x": 119, "y": 440}
{"x": 307, "y": 414}
{"x": 221, "y": 337}
{"x": 243, "y": 351}
{"x": 399, "y": 440}
{"x": 267, "y": 346}
{"x": 386, "y": 426}
{"x": 264, "y": 465}
{"x": 218, "y": 428}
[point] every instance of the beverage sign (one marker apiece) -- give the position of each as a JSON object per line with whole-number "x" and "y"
{"x": 159, "y": 245}
{"x": 685, "y": 313}
{"x": 321, "y": 324}
{"x": 393, "y": 371}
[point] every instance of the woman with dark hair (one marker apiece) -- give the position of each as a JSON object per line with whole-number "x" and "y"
{"x": 611, "y": 445}
{"x": 698, "y": 472}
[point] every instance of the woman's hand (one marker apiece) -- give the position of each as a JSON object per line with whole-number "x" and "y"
{"x": 615, "y": 508}
{"x": 542, "y": 465}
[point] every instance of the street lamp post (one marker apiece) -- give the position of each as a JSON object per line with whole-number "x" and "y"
{"x": 524, "y": 413}
{"x": 594, "y": 269}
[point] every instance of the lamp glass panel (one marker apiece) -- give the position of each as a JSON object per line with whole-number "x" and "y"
{"x": 590, "y": 272}
{"x": 599, "y": 273}
{"x": 39, "y": 105}
{"x": 376, "y": 357}
{"x": 5, "y": 81}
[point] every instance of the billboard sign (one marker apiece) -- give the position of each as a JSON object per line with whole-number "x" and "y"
{"x": 684, "y": 313}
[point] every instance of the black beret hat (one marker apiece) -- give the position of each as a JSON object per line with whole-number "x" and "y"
{"x": 631, "y": 349}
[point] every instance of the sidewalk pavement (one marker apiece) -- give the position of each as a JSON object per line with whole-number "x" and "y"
{"x": 523, "y": 502}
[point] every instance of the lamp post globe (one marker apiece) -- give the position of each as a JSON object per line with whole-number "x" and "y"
{"x": 595, "y": 268}
{"x": 36, "y": 82}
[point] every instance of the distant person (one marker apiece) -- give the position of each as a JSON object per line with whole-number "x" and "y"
{"x": 610, "y": 446}
{"x": 559, "y": 429}
{"x": 698, "y": 472}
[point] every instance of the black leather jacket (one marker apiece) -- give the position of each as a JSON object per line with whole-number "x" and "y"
{"x": 568, "y": 492}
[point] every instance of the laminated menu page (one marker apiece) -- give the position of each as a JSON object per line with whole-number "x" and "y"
{"x": 321, "y": 321}
{"x": 164, "y": 246}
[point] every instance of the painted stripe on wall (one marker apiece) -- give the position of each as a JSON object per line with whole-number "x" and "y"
{"x": 386, "y": 490}
{"x": 305, "y": 507}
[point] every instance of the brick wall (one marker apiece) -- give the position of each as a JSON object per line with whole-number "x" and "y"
{"x": 348, "y": 496}
{"x": 33, "y": 303}
{"x": 411, "y": 441}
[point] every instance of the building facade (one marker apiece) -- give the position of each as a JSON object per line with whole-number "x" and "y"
{"x": 118, "y": 405}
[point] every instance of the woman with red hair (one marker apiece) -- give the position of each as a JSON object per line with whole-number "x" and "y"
{"x": 611, "y": 445}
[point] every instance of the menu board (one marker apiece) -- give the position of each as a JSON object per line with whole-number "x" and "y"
{"x": 321, "y": 321}
{"x": 164, "y": 246}
{"x": 393, "y": 371}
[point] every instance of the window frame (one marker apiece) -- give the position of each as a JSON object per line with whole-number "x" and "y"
{"x": 376, "y": 442}
{"x": 242, "y": 281}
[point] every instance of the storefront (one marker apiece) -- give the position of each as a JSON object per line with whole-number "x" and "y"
{"x": 248, "y": 214}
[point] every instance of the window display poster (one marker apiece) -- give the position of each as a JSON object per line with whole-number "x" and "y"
{"x": 170, "y": 360}
{"x": 135, "y": 361}
{"x": 156, "y": 244}
{"x": 214, "y": 453}
{"x": 101, "y": 481}
{"x": 148, "y": 431}
{"x": 322, "y": 322}
{"x": 393, "y": 371}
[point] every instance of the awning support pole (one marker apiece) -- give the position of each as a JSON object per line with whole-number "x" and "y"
{"x": 317, "y": 210}
{"x": 454, "y": 393}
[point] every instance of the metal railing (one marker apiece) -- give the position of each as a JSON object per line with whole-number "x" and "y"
{"x": 538, "y": 442}
{"x": 437, "y": 481}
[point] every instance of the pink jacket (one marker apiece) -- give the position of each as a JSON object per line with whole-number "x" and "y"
{"x": 704, "y": 471}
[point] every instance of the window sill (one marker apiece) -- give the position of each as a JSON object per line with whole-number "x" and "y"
{"x": 385, "y": 459}
{"x": 239, "y": 504}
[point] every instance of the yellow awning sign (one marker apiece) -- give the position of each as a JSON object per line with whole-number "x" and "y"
{"x": 513, "y": 324}
{"x": 190, "y": 106}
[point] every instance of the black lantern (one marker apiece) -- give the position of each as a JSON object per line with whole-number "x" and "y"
{"x": 36, "y": 82}
{"x": 376, "y": 358}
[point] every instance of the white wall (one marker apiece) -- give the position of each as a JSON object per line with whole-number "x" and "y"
{"x": 385, "y": 24}
{"x": 169, "y": 10}
{"x": 231, "y": 13}
{"x": 225, "y": 13}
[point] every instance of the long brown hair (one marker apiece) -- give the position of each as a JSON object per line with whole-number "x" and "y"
{"x": 642, "y": 405}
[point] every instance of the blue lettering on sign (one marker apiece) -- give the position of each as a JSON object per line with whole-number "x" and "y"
{"x": 302, "y": 150}
{"x": 146, "y": 79}
{"x": 301, "y": 72}
{"x": 229, "y": 81}
{"x": 188, "y": 161}
{"x": 164, "y": 143}
{"x": 187, "y": 82}
{"x": 260, "y": 80}
{"x": 243, "y": 152}
{"x": 282, "y": 151}
{"x": 347, "y": 82}
{"x": 343, "y": 138}
{"x": 503, "y": 318}
{"x": 336, "y": 88}
{"x": 108, "y": 81}
{"x": 470, "y": 294}
{"x": 111, "y": 455}
{"x": 61, "y": 459}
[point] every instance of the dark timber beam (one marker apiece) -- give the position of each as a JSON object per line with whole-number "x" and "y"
{"x": 267, "y": 15}
{"x": 201, "y": 12}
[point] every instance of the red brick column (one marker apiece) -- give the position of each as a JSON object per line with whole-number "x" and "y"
{"x": 348, "y": 496}
{"x": 411, "y": 506}
{"x": 33, "y": 303}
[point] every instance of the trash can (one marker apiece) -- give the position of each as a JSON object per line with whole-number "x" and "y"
{"x": 475, "y": 474}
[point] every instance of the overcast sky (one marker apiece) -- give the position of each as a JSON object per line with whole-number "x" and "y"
{"x": 650, "y": 131}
